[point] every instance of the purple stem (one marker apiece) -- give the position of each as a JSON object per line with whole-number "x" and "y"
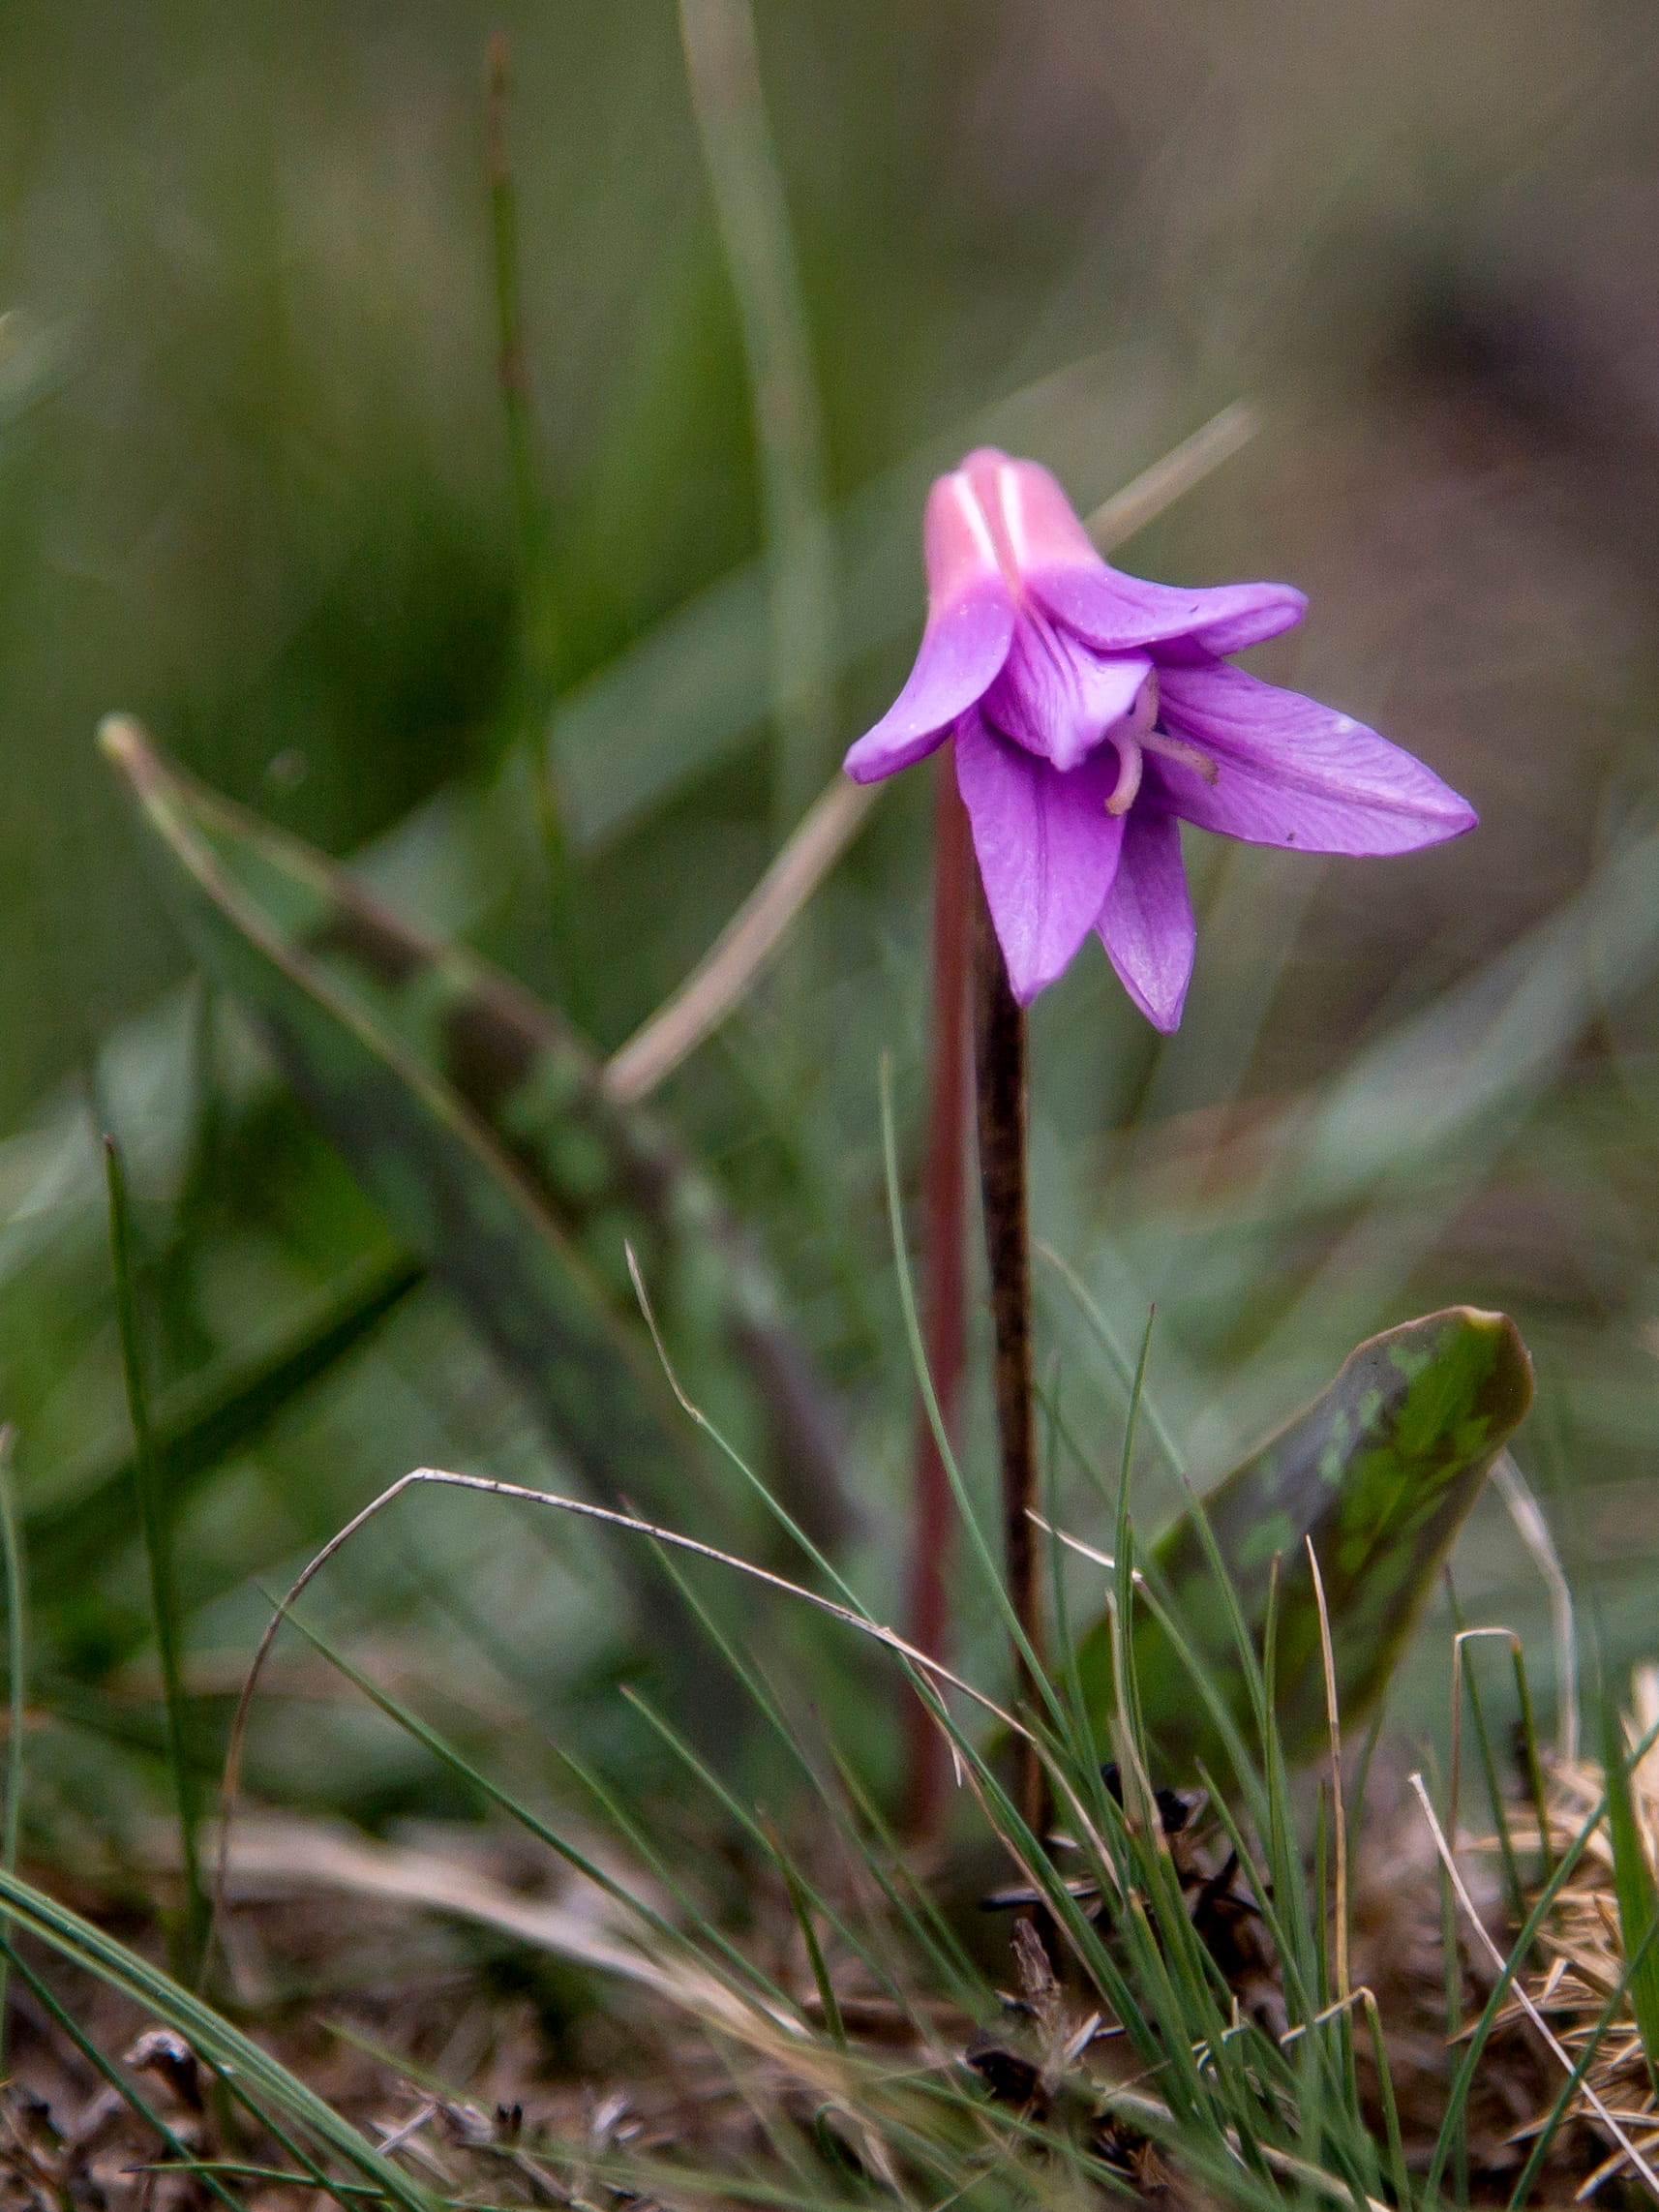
{"x": 943, "y": 1285}
{"x": 998, "y": 1025}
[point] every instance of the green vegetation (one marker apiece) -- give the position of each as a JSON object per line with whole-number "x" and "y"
{"x": 475, "y": 489}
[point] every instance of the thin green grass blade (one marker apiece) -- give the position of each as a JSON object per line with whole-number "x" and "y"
{"x": 1633, "y": 1885}
{"x": 133, "y": 2096}
{"x": 207, "y": 2032}
{"x": 1489, "y": 1761}
{"x": 155, "y": 1515}
{"x": 17, "y": 1697}
{"x": 801, "y": 1905}
{"x": 765, "y": 1701}
{"x": 538, "y": 641}
{"x": 639, "y": 1841}
{"x": 729, "y": 102}
{"x": 1121, "y": 1365}
{"x": 914, "y": 1902}
{"x": 1533, "y": 1762}
{"x": 760, "y": 1834}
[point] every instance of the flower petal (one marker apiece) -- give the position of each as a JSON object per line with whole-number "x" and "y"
{"x": 970, "y": 625}
{"x": 1112, "y": 611}
{"x": 1146, "y": 923}
{"x": 1047, "y": 849}
{"x": 1293, "y": 773}
{"x": 1057, "y": 697}
{"x": 1049, "y": 550}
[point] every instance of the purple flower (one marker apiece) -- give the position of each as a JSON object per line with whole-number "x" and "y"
{"x": 1092, "y": 713}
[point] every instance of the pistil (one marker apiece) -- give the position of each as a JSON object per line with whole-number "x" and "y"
{"x": 1131, "y": 764}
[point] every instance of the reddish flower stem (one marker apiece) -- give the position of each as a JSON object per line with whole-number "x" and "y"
{"x": 944, "y": 1281}
{"x": 998, "y": 1025}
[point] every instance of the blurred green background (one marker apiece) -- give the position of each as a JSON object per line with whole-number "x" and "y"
{"x": 254, "y": 487}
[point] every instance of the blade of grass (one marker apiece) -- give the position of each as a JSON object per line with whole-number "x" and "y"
{"x": 1343, "y": 2022}
{"x": 765, "y": 1700}
{"x": 1131, "y": 1751}
{"x": 134, "y": 2100}
{"x": 17, "y": 1697}
{"x": 918, "y": 1907}
{"x": 760, "y": 1834}
{"x": 512, "y": 361}
{"x": 538, "y": 642}
{"x": 801, "y": 1905}
{"x": 723, "y": 74}
{"x": 206, "y": 2031}
{"x": 1463, "y": 1674}
{"x": 1338, "y": 1823}
{"x": 740, "y": 1981}
{"x": 1632, "y": 1884}
{"x": 1399, "y": 2173}
{"x": 1121, "y": 1364}
{"x": 156, "y": 1521}
{"x": 1533, "y": 1531}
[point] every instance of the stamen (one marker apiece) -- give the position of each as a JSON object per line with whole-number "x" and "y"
{"x": 1177, "y": 748}
{"x": 1130, "y": 766}
{"x": 1130, "y": 734}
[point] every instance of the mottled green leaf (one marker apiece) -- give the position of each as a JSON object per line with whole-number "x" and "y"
{"x": 1380, "y": 1471}
{"x": 480, "y": 1125}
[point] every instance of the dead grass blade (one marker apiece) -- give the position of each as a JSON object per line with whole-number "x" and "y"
{"x": 1558, "y": 2050}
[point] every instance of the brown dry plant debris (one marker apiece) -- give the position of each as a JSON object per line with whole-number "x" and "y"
{"x": 1580, "y": 1983}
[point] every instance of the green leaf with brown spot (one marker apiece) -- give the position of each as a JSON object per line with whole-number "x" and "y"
{"x": 479, "y": 1124}
{"x": 1380, "y": 1471}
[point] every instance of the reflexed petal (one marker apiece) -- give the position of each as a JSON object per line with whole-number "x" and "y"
{"x": 1046, "y": 547}
{"x": 1112, "y": 611}
{"x": 1146, "y": 923}
{"x": 970, "y": 622}
{"x": 1047, "y": 849}
{"x": 1058, "y": 698}
{"x": 1293, "y": 773}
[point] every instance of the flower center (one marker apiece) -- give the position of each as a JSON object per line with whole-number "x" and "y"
{"x": 1138, "y": 735}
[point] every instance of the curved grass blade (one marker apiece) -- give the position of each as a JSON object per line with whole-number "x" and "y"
{"x": 17, "y": 1697}
{"x": 1380, "y": 1472}
{"x": 481, "y": 1126}
{"x": 156, "y": 1518}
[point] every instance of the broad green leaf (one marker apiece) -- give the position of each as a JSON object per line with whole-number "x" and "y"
{"x": 1380, "y": 1471}
{"x": 479, "y": 1124}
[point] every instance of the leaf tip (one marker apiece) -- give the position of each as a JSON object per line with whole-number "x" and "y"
{"x": 1510, "y": 1384}
{"x": 122, "y": 740}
